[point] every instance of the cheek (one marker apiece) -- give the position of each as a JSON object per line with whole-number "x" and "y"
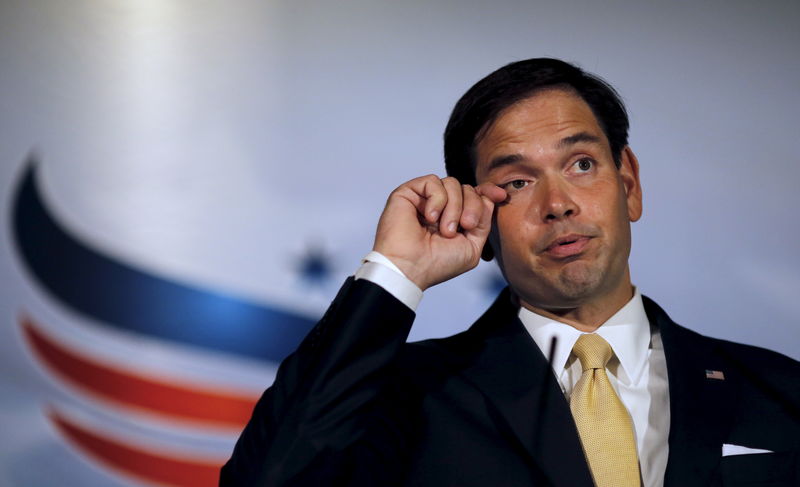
{"x": 506, "y": 219}
{"x": 604, "y": 206}
{"x": 519, "y": 210}
{"x": 513, "y": 230}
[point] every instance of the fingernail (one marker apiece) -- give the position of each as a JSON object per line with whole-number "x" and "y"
{"x": 434, "y": 215}
{"x": 451, "y": 226}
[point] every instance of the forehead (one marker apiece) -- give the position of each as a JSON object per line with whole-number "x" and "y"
{"x": 537, "y": 124}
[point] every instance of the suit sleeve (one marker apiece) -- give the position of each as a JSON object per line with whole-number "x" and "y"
{"x": 307, "y": 425}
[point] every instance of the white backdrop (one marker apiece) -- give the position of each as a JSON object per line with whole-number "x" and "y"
{"x": 224, "y": 144}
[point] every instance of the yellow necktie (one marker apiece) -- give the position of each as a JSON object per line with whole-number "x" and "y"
{"x": 602, "y": 420}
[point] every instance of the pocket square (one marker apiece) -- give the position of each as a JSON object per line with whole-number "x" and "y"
{"x": 728, "y": 450}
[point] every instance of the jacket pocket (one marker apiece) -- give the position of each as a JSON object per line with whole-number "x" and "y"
{"x": 760, "y": 469}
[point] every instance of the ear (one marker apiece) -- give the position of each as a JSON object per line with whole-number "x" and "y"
{"x": 492, "y": 240}
{"x": 487, "y": 253}
{"x": 629, "y": 172}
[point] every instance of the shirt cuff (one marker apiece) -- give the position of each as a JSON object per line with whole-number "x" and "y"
{"x": 379, "y": 270}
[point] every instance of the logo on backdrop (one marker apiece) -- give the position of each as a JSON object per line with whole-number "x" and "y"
{"x": 117, "y": 296}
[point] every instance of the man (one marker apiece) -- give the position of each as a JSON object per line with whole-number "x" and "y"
{"x": 570, "y": 378}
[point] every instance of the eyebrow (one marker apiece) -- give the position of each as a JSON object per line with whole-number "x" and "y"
{"x": 501, "y": 161}
{"x": 578, "y": 138}
{"x": 568, "y": 141}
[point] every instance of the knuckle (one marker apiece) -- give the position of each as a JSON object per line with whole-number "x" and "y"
{"x": 450, "y": 181}
{"x": 397, "y": 190}
{"x": 469, "y": 190}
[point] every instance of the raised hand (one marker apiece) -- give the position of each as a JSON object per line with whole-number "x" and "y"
{"x": 434, "y": 229}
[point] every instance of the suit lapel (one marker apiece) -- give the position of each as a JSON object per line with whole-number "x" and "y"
{"x": 516, "y": 378}
{"x": 513, "y": 374}
{"x": 700, "y": 407}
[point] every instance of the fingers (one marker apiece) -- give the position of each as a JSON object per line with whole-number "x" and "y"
{"x": 447, "y": 205}
{"x": 472, "y": 207}
{"x": 460, "y": 204}
{"x": 490, "y": 195}
{"x": 478, "y": 205}
{"x": 434, "y": 196}
{"x": 439, "y": 201}
{"x": 451, "y": 214}
{"x": 480, "y": 232}
{"x": 495, "y": 193}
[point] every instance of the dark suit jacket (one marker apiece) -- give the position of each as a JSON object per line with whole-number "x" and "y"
{"x": 356, "y": 405}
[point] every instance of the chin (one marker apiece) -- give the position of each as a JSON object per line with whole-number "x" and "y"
{"x": 574, "y": 288}
{"x": 580, "y": 275}
{"x": 567, "y": 290}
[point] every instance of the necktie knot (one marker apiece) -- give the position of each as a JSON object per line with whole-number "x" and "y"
{"x": 593, "y": 351}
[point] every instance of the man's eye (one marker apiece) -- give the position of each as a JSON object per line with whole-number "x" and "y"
{"x": 584, "y": 165}
{"x": 515, "y": 185}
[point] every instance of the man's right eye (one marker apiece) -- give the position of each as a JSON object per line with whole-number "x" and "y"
{"x": 515, "y": 185}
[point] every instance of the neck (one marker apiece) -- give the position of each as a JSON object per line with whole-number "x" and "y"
{"x": 588, "y": 316}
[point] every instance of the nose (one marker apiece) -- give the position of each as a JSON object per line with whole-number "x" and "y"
{"x": 556, "y": 200}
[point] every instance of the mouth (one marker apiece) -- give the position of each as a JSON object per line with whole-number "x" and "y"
{"x": 567, "y": 246}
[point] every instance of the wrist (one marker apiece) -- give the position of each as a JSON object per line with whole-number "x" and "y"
{"x": 379, "y": 270}
{"x": 406, "y": 267}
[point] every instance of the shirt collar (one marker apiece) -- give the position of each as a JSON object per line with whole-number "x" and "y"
{"x": 628, "y": 333}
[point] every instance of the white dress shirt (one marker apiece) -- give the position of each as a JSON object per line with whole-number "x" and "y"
{"x": 638, "y": 370}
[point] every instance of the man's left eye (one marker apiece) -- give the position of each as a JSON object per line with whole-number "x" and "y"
{"x": 584, "y": 165}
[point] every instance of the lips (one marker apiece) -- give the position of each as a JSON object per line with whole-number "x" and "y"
{"x": 567, "y": 245}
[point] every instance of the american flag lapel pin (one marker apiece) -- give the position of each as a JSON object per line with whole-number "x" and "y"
{"x": 715, "y": 374}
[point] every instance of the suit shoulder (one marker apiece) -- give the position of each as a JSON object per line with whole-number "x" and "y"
{"x": 751, "y": 354}
{"x": 763, "y": 373}
{"x": 764, "y": 376}
{"x": 759, "y": 359}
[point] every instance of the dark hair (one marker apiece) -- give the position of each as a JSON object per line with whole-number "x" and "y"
{"x": 482, "y": 104}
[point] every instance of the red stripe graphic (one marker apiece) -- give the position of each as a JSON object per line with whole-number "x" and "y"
{"x": 152, "y": 467}
{"x": 200, "y": 404}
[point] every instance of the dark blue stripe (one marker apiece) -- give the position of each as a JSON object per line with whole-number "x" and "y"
{"x": 121, "y": 296}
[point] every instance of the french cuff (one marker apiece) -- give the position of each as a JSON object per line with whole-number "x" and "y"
{"x": 378, "y": 269}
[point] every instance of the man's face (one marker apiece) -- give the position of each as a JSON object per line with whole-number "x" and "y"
{"x": 562, "y": 238}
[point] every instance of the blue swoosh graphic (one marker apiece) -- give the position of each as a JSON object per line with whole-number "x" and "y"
{"x": 123, "y": 297}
